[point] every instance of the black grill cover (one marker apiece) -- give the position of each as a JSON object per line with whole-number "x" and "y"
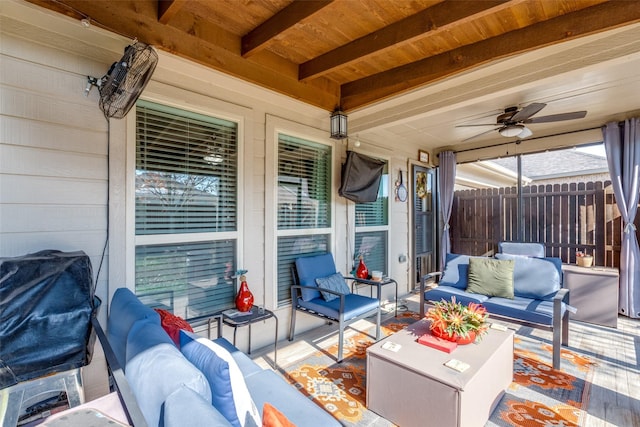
{"x": 46, "y": 304}
{"x": 361, "y": 178}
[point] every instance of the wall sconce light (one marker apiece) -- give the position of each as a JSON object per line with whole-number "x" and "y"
{"x": 338, "y": 124}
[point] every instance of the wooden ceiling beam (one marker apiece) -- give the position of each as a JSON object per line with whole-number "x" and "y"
{"x": 591, "y": 20}
{"x": 431, "y": 21}
{"x": 167, "y": 9}
{"x": 139, "y": 19}
{"x": 291, "y": 15}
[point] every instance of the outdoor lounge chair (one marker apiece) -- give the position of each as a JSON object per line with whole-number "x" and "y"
{"x": 344, "y": 308}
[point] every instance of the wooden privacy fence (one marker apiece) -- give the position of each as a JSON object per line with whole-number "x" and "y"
{"x": 564, "y": 217}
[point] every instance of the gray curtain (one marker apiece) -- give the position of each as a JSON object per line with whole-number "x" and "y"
{"x": 622, "y": 145}
{"x": 447, "y": 173}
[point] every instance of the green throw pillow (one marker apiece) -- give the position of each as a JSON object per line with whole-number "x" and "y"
{"x": 491, "y": 277}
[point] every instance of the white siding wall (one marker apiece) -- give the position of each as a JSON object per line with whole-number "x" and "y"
{"x": 53, "y": 145}
{"x": 56, "y": 179}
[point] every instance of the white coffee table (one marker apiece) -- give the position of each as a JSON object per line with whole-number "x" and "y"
{"x": 413, "y": 387}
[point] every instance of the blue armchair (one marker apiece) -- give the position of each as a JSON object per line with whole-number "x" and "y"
{"x": 335, "y": 305}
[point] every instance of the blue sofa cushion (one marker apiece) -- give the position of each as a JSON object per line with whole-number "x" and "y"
{"x": 537, "y": 278}
{"x": 124, "y": 311}
{"x": 527, "y": 309}
{"x": 520, "y": 248}
{"x": 491, "y": 277}
{"x": 456, "y": 271}
{"x": 155, "y": 370}
{"x": 311, "y": 267}
{"x": 185, "y": 404}
{"x": 153, "y": 335}
{"x": 446, "y": 292}
{"x": 354, "y": 306}
{"x": 229, "y": 393}
{"x": 268, "y": 387}
{"x": 334, "y": 282}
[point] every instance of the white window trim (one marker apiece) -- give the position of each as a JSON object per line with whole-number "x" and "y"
{"x": 275, "y": 126}
{"x": 125, "y": 219}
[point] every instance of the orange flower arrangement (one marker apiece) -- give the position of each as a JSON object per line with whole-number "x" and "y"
{"x": 458, "y": 320}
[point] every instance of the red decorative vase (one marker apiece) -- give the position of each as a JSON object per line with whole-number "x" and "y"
{"x": 362, "y": 272}
{"x": 244, "y": 299}
{"x": 438, "y": 332}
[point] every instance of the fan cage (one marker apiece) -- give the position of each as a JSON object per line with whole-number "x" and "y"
{"x": 121, "y": 87}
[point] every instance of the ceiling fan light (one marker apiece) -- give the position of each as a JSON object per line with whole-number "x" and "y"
{"x": 511, "y": 130}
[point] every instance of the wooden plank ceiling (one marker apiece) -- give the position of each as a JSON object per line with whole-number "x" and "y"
{"x": 348, "y": 53}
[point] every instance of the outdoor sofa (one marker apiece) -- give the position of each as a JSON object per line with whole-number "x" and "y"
{"x": 519, "y": 284}
{"x": 204, "y": 382}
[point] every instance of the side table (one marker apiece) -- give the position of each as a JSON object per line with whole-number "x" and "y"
{"x": 378, "y": 284}
{"x": 257, "y": 314}
{"x": 594, "y": 292}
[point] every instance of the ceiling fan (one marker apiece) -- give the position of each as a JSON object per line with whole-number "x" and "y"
{"x": 512, "y": 122}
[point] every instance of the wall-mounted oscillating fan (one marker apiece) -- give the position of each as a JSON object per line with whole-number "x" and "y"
{"x": 122, "y": 85}
{"x": 512, "y": 122}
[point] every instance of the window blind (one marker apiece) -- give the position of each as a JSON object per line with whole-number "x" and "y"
{"x": 372, "y": 245}
{"x": 290, "y": 248}
{"x": 304, "y": 205}
{"x": 190, "y": 280}
{"x": 375, "y": 213}
{"x": 304, "y": 184}
{"x": 186, "y": 171}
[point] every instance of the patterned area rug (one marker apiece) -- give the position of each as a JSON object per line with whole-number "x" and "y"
{"x": 539, "y": 395}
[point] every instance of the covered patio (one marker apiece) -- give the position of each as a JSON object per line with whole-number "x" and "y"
{"x": 225, "y": 161}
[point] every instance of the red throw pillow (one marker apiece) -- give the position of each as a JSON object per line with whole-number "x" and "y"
{"x": 271, "y": 417}
{"x": 172, "y": 324}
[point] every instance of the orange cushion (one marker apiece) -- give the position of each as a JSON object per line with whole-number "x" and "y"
{"x": 172, "y": 324}
{"x": 271, "y": 417}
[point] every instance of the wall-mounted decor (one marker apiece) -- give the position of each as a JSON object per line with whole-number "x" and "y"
{"x": 421, "y": 184}
{"x": 423, "y": 156}
{"x": 401, "y": 190}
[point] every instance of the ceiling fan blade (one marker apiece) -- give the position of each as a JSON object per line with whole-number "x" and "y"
{"x": 557, "y": 117}
{"x": 526, "y": 133}
{"x": 480, "y": 124}
{"x": 527, "y": 112}
{"x": 480, "y": 134}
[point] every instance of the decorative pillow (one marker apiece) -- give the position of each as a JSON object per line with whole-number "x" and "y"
{"x": 455, "y": 271}
{"x": 229, "y": 393}
{"x": 491, "y": 277}
{"x": 271, "y": 417}
{"x": 172, "y": 324}
{"x": 335, "y": 282}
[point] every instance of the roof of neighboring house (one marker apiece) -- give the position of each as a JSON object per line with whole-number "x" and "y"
{"x": 553, "y": 164}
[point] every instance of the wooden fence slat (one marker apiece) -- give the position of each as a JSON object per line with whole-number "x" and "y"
{"x": 565, "y": 218}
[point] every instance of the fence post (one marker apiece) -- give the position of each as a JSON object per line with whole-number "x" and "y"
{"x": 599, "y": 238}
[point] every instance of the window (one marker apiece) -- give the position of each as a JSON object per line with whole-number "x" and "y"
{"x": 563, "y": 202}
{"x": 303, "y": 204}
{"x": 186, "y": 210}
{"x": 372, "y": 226}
